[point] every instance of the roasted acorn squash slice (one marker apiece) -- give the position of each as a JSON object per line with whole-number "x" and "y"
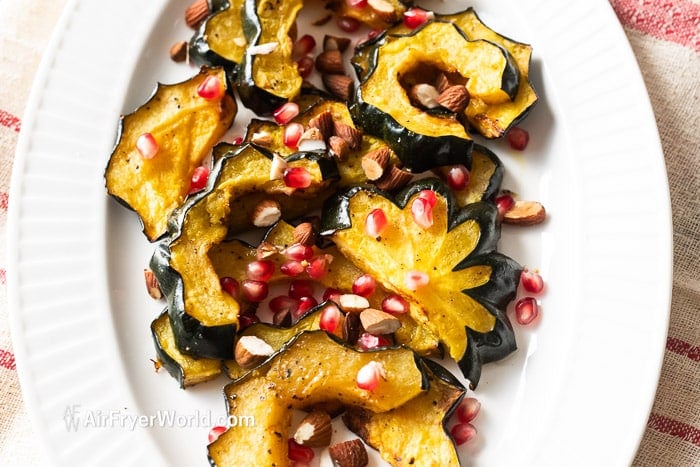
{"x": 368, "y": 15}
{"x": 485, "y": 177}
{"x": 204, "y": 317}
{"x": 467, "y": 278}
{"x": 303, "y": 374}
{"x": 185, "y": 127}
{"x": 187, "y": 370}
{"x": 423, "y": 139}
{"x": 220, "y": 40}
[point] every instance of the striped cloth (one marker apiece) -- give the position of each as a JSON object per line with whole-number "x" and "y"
{"x": 665, "y": 37}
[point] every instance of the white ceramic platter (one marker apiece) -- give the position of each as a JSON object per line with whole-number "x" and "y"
{"x": 577, "y": 392}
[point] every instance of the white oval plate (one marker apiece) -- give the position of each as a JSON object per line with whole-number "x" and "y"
{"x": 580, "y": 387}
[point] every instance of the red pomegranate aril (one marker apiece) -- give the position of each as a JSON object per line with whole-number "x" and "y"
{"x": 422, "y": 213}
{"x": 247, "y": 319}
{"x": 230, "y": 286}
{"x": 286, "y": 112}
{"x": 348, "y": 24}
{"x": 261, "y": 270}
{"x": 532, "y": 281}
{"x": 526, "y": 310}
{"x": 462, "y": 432}
{"x": 292, "y": 134}
{"x": 359, "y": 4}
{"x": 368, "y": 341}
{"x": 414, "y": 280}
{"x": 368, "y": 376}
{"x": 299, "y": 252}
{"x": 283, "y": 303}
{"x": 305, "y": 304}
{"x": 292, "y": 268}
{"x": 375, "y": 223}
{"x": 305, "y": 65}
{"x": 330, "y": 318}
{"x": 255, "y": 291}
{"x": 215, "y": 432}
{"x": 296, "y": 177}
{"x": 303, "y": 46}
{"x": 414, "y": 17}
{"x": 504, "y": 202}
{"x": 518, "y": 138}
{"x": 199, "y": 179}
{"x": 210, "y": 88}
{"x": 457, "y": 177}
{"x": 468, "y": 409}
{"x": 299, "y": 453}
{"x": 147, "y": 146}
{"x": 238, "y": 140}
{"x": 395, "y": 305}
{"x": 331, "y": 294}
{"x": 429, "y": 196}
{"x": 364, "y": 285}
{"x": 318, "y": 267}
{"x": 300, "y": 288}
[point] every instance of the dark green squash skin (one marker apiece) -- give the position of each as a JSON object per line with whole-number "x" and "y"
{"x": 191, "y": 336}
{"x": 497, "y": 178}
{"x": 495, "y": 295}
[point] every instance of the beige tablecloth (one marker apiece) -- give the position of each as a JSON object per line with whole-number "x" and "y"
{"x": 665, "y": 36}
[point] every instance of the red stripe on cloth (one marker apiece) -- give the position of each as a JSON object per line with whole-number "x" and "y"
{"x": 675, "y": 428}
{"x": 671, "y": 20}
{"x": 7, "y": 360}
{"x": 683, "y": 348}
{"x": 9, "y": 121}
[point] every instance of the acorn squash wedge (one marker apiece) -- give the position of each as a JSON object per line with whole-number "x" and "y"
{"x": 220, "y": 40}
{"x": 268, "y": 78}
{"x": 303, "y": 374}
{"x": 410, "y": 435}
{"x": 186, "y": 370}
{"x": 423, "y": 139}
{"x": 185, "y": 127}
{"x": 462, "y": 276}
{"x": 485, "y": 177}
{"x": 391, "y": 13}
{"x": 203, "y": 316}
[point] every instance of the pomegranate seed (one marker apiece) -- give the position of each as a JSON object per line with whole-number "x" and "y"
{"x": 517, "y": 138}
{"x": 303, "y": 46}
{"x": 210, "y": 88}
{"x": 330, "y": 318}
{"x": 305, "y": 65}
{"x": 369, "y": 341}
{"x": 429, "y": 196}
{"x": 395, "y": 305}
{"x": 255, "y": 291}
{"x": 526, "y": 310}
{"x": 299, "y": 453}
{"x": 364, "y": 285}
{"x": 230, "y": 286}
{"x": 238, "y": 140}
{"x": 348, "y": 24}
{"x": 504, "y": 202}
{"x": 305, "y": 304}
{"x": 357, "y": 3}
{"x": 457, "y": 177}
{"x": 415, "y": 17}
{"x": 422, "y": 213}
{"x": 147, "y": 146}
{"x": 292, "y": 268}
{"x": 368, "y": 376}
{"x": 299, "y": 252}
{"x": 261, "y": 270}
{"x": 318, "y": 266}
{"x": 297, "y": 177}
{"x": 532, "y": 281}
{"x": 286, "y": 112}
{"x": 468, "y": 410}
{"x": 199, "y": 179}
{"x": 375, "y": 223}
{"x": 462, "y": 432}
{"x": 283, "y": 303}
{"x": 331, "y": 294}
{"x": 416, "y": 279}
{"x": 247, "y": 319}
{"x": 292, "y": 134}
{"x": 215, "y": 432}
{"x": 301, "y": 288}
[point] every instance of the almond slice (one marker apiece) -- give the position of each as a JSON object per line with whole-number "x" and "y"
{"x": 196, "y": 13}
{"x": 341, "y": 86}
{"x": 251, "y": 350}
{"x": 352, "y": 453}
{"x": 152, "y": 285}
{"x": 525, "y": 213}
{"x": 352, "y": 303}
{"x": 330, "y": 61}
{"x": 304, "y": 234}
{"x": 314, "y": 430}
{"x": 393, "y": 179}
{"x": 378, "y": 322}
{"x": 454, "y": 98}
{"x": 266, "y": 213}
{"x": 375, "y": 162}
{"x": 352, "y": 136}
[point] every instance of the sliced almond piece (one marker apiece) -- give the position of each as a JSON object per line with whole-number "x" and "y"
{"x": 324, "y": 122}
{"x": 353, "y": 136}
{"x": 341, "y": 86}
{"x": 393, "y": 179}
{"x": 525, "y": 213}
{"x": 196, "y": 12}
{"x": 352, "y": 453}
{"x": 263, "y": 138}
{"x": 266, "y": 213}
{"x": 454, "y": 98}
{"x": 266, "y": 250}
{"x": 375, "y": 162}
{"x": 352, "y": 303}
{"x": 378, "y": 322}
{"x": 336, "y": 43}
{"x": 330, "y": 61}
{"x": 442, "y": 82}
{"x": 178, "y": 51}
{"x": 424, "y": 95}
{"x": 251, "y": 350}
{"x": 314, "y": 430}
{"x": 339, "y": 147}
{"x": 383, "y": 10}
{"x": 304, "y": 234}
{"x": 277, "y": 167}
{"x": 152, "y": 285}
